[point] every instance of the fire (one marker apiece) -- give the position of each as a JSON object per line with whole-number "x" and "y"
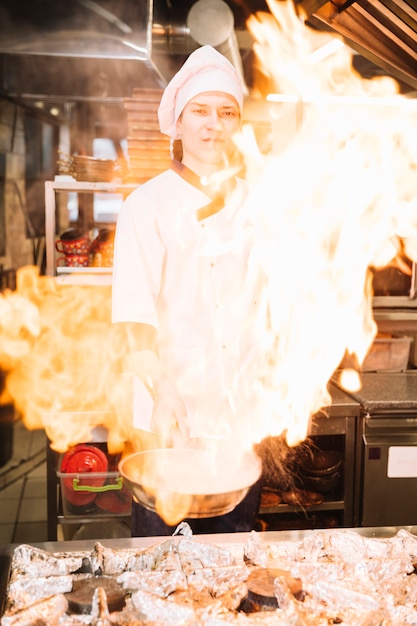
{"x": 339, "y": 200}
{"x": 335, "y": 199}
{"x": 173, "y": 507}
{"x": 63, "y": 361}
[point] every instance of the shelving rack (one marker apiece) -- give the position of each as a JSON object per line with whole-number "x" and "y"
{"x": 97, "y": 275}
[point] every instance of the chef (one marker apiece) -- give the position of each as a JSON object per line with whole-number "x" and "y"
{"x": 183, "y": 285}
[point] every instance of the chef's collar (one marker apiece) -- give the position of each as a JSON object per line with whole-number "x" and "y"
{"x": 217, "y": 194}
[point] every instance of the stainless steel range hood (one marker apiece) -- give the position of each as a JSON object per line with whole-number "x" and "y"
{"x": 383, "y": 31}
{"x": 92, "y": 49}
{"x": 103, "y": 49}
{"x": 83, "y": 49}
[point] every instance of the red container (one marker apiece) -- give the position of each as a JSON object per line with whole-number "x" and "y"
{"x": 91, "y": 485}
{"x": 81, "y": 461}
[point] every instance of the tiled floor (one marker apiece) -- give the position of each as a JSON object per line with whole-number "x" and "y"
{"x": 23, "y": 506}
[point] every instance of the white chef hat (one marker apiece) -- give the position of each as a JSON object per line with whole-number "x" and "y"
{"x": 204, "y": 70}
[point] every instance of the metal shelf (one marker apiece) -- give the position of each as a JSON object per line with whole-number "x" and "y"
{"x": 62, "y": 184}
{"x": 91, "y": 519}
{"x": 329, "y": 505}
{"x": 341, "y": 420}
{"x": 84, "y": 275}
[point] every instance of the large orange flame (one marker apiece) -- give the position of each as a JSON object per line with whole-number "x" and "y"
{"x": 62, "y": 359}
{"x": 341, "y": 199}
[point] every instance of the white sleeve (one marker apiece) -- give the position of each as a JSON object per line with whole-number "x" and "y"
{"x": 138, "y": 261}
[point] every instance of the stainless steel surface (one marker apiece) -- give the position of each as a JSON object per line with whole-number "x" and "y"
{"x": 388, "y": 418}
{"x": 395, "y": 302}
{"x": 389, "y": 482}
{"x": 101, "y": 49}
{"x": 69, "y": 50}
{"x": 144, "y": 43}
{"x": 387, "y": 427}
{"x": 152, "y": 476}
{"x": 383, "y": 31}
{"x": 78, "y": 30}
{"x": 394, "y": 319}
{"x": 214, "y": 539}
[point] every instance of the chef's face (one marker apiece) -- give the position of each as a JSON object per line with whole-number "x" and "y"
{"x": 206, "y": 126}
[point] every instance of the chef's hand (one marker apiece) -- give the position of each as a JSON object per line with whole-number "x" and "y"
{"x": 169, "y": 415}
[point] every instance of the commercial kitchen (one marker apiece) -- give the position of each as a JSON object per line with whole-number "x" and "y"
{"x": 79, "y": 91}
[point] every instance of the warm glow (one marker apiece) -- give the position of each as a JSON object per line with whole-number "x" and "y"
{"x": 350, "y": 379}
{"x": 62, "y": 358}
{"x": 172, "y": 507}
{"x": 340, "y": 199}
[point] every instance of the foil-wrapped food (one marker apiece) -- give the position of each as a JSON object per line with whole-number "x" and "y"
{"x": 329, "y": 577}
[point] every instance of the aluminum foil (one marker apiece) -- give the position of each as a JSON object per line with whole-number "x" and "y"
{"x": 346, "y": 578}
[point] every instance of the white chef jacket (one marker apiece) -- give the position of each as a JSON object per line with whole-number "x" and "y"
{"x": 194, "y": 283}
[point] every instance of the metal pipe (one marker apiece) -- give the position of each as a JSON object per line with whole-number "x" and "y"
{"x": 211, "y": 22}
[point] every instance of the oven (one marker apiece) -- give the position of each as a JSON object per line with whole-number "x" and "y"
{"x": 388, "y": 489}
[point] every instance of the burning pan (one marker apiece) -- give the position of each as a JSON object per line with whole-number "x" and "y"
{"x": 179, "y": 483}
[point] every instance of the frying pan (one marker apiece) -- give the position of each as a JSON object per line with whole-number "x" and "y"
{"x": 188, "y": 482}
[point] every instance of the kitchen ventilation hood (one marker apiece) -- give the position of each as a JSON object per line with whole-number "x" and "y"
{"x": 82, "y": 49}
{"x": 103, "y": 49}
{"x": 98, "y": 49}
{"x": 384, "y": 32}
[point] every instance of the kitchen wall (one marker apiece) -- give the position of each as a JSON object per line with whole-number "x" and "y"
{"x": 33, "y": 137}
{"x": 29, "y": 140}
{"x": 16, "y": 247}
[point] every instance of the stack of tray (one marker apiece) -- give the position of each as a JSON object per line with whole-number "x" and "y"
{"x": 148, "y": 148}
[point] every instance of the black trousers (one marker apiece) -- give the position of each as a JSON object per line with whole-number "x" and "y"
{"x": 243, "y": 518}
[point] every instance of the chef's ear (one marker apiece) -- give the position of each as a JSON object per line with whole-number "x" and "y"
{"x": 178, "y": 126}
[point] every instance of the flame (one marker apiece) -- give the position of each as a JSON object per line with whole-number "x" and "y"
{"x": 172, "y": 507}
{"x": 335, "y": 197}
{"x": 62, "y": 359}
{"x": 339, "y": 200}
